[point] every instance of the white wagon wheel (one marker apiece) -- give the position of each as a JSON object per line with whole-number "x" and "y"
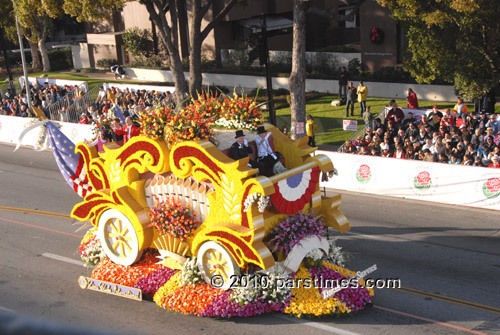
{"x": 118, "y": 237}
{"x": 214, "y": 260}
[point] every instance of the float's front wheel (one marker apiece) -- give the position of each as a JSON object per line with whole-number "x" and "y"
{"x": 118, "y": 237}
{"x": 217, "y": 264}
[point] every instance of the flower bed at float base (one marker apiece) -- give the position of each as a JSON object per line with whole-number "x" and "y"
{"x": 293, "y": 294}
{"x": 256, "y": 293}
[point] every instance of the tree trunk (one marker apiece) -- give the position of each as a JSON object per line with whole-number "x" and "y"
{"x": 195, "y": 77}
{"x": 45, "y": 55}
{"x": 168, "y": 39}
{"x": 35, "y": 57}
{"x": 297, "y": 80}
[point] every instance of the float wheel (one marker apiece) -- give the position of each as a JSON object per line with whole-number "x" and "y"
{"x": 118, "y": 237}
{"x": 214, "y": 260}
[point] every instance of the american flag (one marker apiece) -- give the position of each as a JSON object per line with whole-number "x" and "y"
{"x": 70, "y": 164}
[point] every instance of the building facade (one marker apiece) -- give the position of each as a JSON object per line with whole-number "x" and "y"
{"x": 332, "y": 25}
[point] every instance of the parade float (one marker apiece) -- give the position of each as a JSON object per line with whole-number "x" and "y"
{"x": 176, "y": 220}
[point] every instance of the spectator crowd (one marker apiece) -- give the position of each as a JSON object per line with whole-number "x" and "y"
{"x": 452, "y": 136}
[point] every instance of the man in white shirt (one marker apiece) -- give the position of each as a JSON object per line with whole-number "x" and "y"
{"x": 266, "y": 157}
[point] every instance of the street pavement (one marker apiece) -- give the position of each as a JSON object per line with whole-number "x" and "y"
{"x": 447, "y": 258}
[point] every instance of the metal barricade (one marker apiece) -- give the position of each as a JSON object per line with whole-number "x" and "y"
{"x": 69, "y": 108}
{"x": 362, "y": 130}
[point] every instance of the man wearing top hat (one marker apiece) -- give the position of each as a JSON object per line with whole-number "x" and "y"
{"x": 240, "y": 149}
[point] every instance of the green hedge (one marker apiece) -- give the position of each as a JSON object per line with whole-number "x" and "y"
{"x": 60, "y": 59}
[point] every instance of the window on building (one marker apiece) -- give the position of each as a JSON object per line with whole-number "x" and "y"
{"x": 348, "y": 24}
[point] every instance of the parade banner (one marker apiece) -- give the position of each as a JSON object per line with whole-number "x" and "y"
{"x": 442, "y": 183}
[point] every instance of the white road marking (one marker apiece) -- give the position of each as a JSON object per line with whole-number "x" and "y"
{"x": 62, "y": 259}
{"x": 5, "y": 309}
{"x": 330, "y": 329}
{"x": 363, "y": 235}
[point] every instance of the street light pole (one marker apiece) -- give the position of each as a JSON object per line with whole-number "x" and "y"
{"x": 25, "y": 70}
{"x": 269, "y": 79}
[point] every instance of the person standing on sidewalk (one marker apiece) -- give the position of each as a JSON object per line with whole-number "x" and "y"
{"x": 362, "y": 95}
{"x": 350, "y": 96}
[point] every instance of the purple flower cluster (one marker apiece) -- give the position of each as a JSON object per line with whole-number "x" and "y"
{"x": 355, "y": 298}
{"x": 293, "y": 229}
{"x": 151, "y": 283}
{"x": 223, "y": 307}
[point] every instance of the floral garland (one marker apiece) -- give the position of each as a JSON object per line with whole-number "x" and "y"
{"x": 293, "y": 229}
{"x": 262, "y": 202}
{"x": 171, "y": 217}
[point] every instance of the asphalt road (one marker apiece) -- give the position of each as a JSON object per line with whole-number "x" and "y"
{"x": 447, "y": 258}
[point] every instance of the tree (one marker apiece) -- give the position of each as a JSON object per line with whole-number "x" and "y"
{"x": 197, "y": 36}
{"x": 36, "y": 25}
{"x": 167, "y": 29}
{"x": 297, "y": 80}
{"x": 454, "y": 40}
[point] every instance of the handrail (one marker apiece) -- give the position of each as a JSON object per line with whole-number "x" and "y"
{"x": 361, "y": 130}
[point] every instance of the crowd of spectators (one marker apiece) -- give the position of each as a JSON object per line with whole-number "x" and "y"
{"x": 42, "y": 96}
{"x": 452, "y": 136}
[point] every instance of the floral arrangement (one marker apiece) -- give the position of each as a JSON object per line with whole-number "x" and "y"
{"x": 103, "y": 123}
{"x": 191, "y": 274}
{"x": 264, "y": 286}
{"x": 336, "y": 255}
{"x": 293, "y": 229}
{"x": 174, "y": 218}
{"x": 90, "y": 250}
{"x": 239, "y": 112}
{"x": 153, "y": 122}
{"x": 194, "y": 122}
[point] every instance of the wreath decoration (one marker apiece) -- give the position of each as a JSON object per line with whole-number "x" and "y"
{"x": 376, "y": 35}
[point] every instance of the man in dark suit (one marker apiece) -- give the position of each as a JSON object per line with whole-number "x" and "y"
{"x": 240, "y": 149}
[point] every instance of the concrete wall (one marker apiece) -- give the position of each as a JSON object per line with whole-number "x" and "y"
{"x": 375, "y": 89}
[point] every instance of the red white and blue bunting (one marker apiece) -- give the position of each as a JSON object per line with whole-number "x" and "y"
{"x": 293, "y": 193}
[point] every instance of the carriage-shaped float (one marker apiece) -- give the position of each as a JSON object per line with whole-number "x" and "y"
{"x": 237, "y": 208}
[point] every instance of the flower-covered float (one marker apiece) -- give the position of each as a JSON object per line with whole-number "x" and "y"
{"x": 203, "y": 234}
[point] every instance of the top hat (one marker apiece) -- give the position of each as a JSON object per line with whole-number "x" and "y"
{"x": 261, "y": 130}
{"x": 239, "y": 133}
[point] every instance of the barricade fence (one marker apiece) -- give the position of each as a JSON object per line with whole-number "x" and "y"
{"x": 436, "y": 182}
{"x": 69, "y": 108}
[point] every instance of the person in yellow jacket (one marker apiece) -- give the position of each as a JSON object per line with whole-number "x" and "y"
{"x": 362, "y": 94}
{"x": 311, "y": 129}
